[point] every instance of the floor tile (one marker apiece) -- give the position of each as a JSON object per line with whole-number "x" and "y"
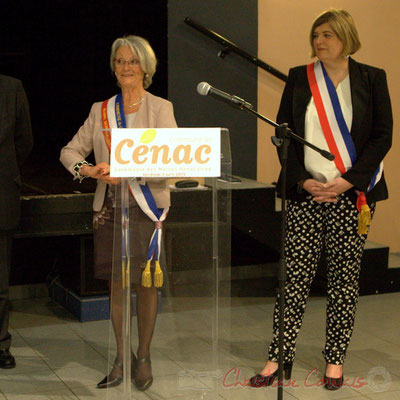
{"x": 63, "y": 394}
{"x": 91, "y": 329}
{"x": 375, "y": 380}
{"x": 61, "y": 358}
{"x": 39, "y": 381}
{"x": 163, "y": 365}
{"x": 173, "y": 387}
{"x": 387, "y": 356}
{"x": 253, "y": 394}
{"x": 91, "y": 393}
{"x": 74, "y": 377}
{"x": 41, "y": 312}
{"x": 68, "y": 354}
{"x": 385, "y": 396}
{"x": 310, "y": 387}
{"x": 40, "y": 333}
{"x": 26, "y": 358}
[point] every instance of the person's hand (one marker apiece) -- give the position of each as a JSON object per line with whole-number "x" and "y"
{"x": 326, "y": 192}
{"x": 100, "y": 171}
{"x": 338, "y": 185}
{"x": 319, "y": 191}
{"x": 105, "y": 175}
{"x": 93, "y": 171}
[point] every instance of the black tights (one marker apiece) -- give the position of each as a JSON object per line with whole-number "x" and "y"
{"x": 146, "y": 311}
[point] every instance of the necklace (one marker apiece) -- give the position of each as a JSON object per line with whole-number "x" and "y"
{"x": 135, "y": 104}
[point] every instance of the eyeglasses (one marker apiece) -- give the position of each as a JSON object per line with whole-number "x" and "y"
{"x": 121, "y": 62}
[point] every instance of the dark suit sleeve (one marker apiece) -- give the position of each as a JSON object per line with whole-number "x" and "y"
{"x": 380, "y": 138}
{"x": 295, "y": 165}
{"x": 23, "y": 132}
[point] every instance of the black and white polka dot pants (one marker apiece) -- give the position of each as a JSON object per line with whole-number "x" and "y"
{"x": 309, "y": 227}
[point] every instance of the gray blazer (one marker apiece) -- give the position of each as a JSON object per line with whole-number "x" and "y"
{"x": 154, "y": 112}
{"x": 15, "y": 145}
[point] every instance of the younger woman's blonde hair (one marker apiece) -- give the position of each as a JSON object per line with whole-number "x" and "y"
{"x": 343, "y": 25}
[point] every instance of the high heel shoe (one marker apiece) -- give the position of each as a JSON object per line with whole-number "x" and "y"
{"x": 109, "y": 381}
{"x": 333, "y": 383}
{"x": 259, "y": 380}
{"x": 145, "y": 383}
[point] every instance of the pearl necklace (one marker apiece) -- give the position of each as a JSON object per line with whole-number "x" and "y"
{"x": 135, "y": 104}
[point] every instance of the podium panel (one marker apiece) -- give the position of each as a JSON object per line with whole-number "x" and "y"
{"x": 179, "y": 331}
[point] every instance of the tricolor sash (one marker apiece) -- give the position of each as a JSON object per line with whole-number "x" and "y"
{"x": 112, "y": 112}
{"x": 337, "y": 134}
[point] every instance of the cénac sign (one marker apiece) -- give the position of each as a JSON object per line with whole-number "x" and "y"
{"x": 178, "y": 152}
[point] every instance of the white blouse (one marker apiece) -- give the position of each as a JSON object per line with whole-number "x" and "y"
{"x": 130, "y": 119}
{"x": 319, "y": 167}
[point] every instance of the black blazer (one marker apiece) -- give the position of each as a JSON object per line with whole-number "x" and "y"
{"x": 15, "y": 145}
{"x": 371, "y": 128}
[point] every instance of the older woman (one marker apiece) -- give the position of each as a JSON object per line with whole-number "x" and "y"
{"x": 133, "y": 62}
{"x": 344, "y": 107}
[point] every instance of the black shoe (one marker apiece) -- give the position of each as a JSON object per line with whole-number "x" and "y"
{"x": 333, "y": 383}
{"x": 146, "y": 383}
{"x": 7, "y": 360}
{"x": 259, "y": 380}
{"x": 109, "y": 381}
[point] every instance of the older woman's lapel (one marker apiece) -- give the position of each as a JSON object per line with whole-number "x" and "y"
{"x": 142, "y": 116}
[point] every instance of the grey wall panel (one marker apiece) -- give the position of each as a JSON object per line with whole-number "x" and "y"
{"x": 192, "y": 58}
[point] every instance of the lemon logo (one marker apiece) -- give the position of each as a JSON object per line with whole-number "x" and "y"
{"x": 148, "y": 136}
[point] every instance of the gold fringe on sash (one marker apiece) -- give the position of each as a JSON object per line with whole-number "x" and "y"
{"x": 364, "y": 219}
{"x": 146, "y": 275}
{"x": 158, "y": 275}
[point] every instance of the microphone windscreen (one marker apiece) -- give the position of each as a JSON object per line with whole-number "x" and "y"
{"x": 203, "y": 88}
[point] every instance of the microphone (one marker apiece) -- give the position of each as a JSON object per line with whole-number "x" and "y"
{"x": 205, "y": 89}
{"x": 327, "y": 155}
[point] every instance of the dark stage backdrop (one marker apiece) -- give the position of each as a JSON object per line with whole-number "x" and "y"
{"x": 192, "y": 58}
{"x": 60, "y": 50}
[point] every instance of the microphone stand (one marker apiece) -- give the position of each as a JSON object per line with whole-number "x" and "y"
{"x": 282, "y": 140}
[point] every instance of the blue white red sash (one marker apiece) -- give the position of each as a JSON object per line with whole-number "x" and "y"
{"x": 145, "y": 199}
{"x": 112, "y": 112}
{"x": 336, "y": 132}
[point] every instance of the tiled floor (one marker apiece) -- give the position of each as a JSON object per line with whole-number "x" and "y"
{"x": 60, "y": 358}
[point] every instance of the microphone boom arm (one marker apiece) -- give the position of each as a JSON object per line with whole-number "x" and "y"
{"x": 205, "y": 89}
{"x": 232, "y": 47}
{"x": 277, "y": 141}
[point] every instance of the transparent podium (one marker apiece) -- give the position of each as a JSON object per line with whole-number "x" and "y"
{"x": 167, "y": 338}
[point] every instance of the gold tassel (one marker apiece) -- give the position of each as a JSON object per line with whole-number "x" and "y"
{"x": 146, "y": 275}
{"x": 364, "y": 219}
{"x": 158, "y": 275}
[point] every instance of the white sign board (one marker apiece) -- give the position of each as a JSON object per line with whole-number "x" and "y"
{"x": 177, "y": 152}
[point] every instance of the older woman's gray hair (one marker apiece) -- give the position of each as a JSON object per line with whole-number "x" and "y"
{"x": 141, "y": 47}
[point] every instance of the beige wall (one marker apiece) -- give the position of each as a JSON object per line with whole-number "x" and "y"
{"x": 283, "y": 43}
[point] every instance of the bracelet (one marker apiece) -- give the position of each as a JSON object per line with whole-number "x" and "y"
{"x": 77, "y": 169}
